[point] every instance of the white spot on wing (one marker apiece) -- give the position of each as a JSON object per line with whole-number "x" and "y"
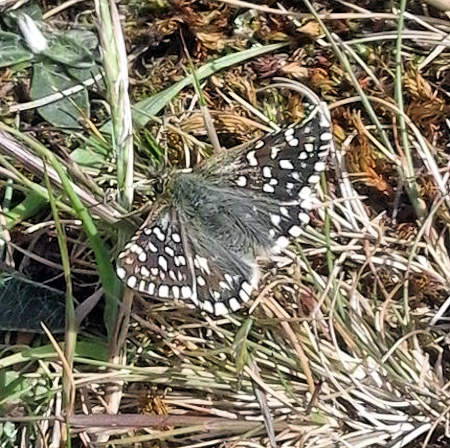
{"x": 151, "y": 288}
{"x": 244, "y": 296}
{"x": 207, "y": 306}
{"x": 132, "y": 281}
{"x": 268, "y": 188}
{"x": 319, "y": 166}
{"x": 201, "y": 280}
{"x": 252, "y": 159}
{"x": 135, "y": 249}
{"x": 314, "y": 179}
{"x": 163, "y": 291}
{"x": 303, "y": 218}
{"x": 295, "y": 231}
{"x": 306, "y": 204}
{"x": 267, "y": 171}
{"x": 162, "y": 262}
{"x": 202, "y": 263}
{"x": 305, "y": 193}
{"x": 281, "y": 243}
{"x": 121, "y": 273}
{"x": 220, "y": 309}
{"x": 160, "y": 235}
{"x": 274, "y": 152}
{"x": 169, "y": 251}
{"x": 186, "y": 292}
{"x": 234, "y": 304}
{"x": 241, "y": 181}
{"x": 246, "y": 287}
{"x": 276, "y": 219}
{"x": 286, "y": 165}
{"x": 326, "y": 136}
{"x": 284, "y": 211}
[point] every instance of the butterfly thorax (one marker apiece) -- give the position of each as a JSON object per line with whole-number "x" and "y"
{"x": 230, "y": 217}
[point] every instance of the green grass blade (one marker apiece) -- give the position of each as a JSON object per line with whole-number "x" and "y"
{"x": 144, "y": 109}
{"x": 71, "y": 321}
{"x": 111, "y": 284}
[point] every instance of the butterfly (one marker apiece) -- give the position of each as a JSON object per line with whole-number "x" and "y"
{"x": 205, "y": 232}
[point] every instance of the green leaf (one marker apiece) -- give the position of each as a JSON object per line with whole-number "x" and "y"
{"x": 27, "y": 208}
{"x": 11, "y": 50}
{"x": 8, "y": 434}
{"x": 92, "y": 349}
{"x": 12, "y": 384}
{"x": 93, "y": 155}
{"x": 65, "y": 49}
{"x": 67, "y": 112}
{"x": 32, "y": 9}
{"x": 95, "y": 350}
{"x": 83, "y": 74}
{"x": 85, "y": 38}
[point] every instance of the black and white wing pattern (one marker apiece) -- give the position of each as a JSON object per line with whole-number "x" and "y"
{"x": 154, "y": 262}
{"x": 163, "y": 260}
{"x": 220, "y": 217}
{"x": 285, "y": 168}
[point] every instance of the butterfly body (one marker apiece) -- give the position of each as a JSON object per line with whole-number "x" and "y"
{"x": 203, "y": 237}
{"x": 223, "y": 216}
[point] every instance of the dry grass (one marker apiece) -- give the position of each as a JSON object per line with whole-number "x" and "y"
{"x": 346, "y": 343}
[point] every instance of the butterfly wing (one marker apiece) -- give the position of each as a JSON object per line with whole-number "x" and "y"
{"x": 154, "y": 261}
{"x": 164, "y": 259}
{"x": 284, "y": 168}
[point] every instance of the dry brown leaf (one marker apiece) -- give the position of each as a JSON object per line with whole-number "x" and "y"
{"x": 362, "y": 160}
{"x": 311, "y": 28}
{"x": 295, "y": 70}
{"x": 213, "y": 41}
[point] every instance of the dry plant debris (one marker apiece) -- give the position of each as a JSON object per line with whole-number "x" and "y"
{"x": 346, "y": 344}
